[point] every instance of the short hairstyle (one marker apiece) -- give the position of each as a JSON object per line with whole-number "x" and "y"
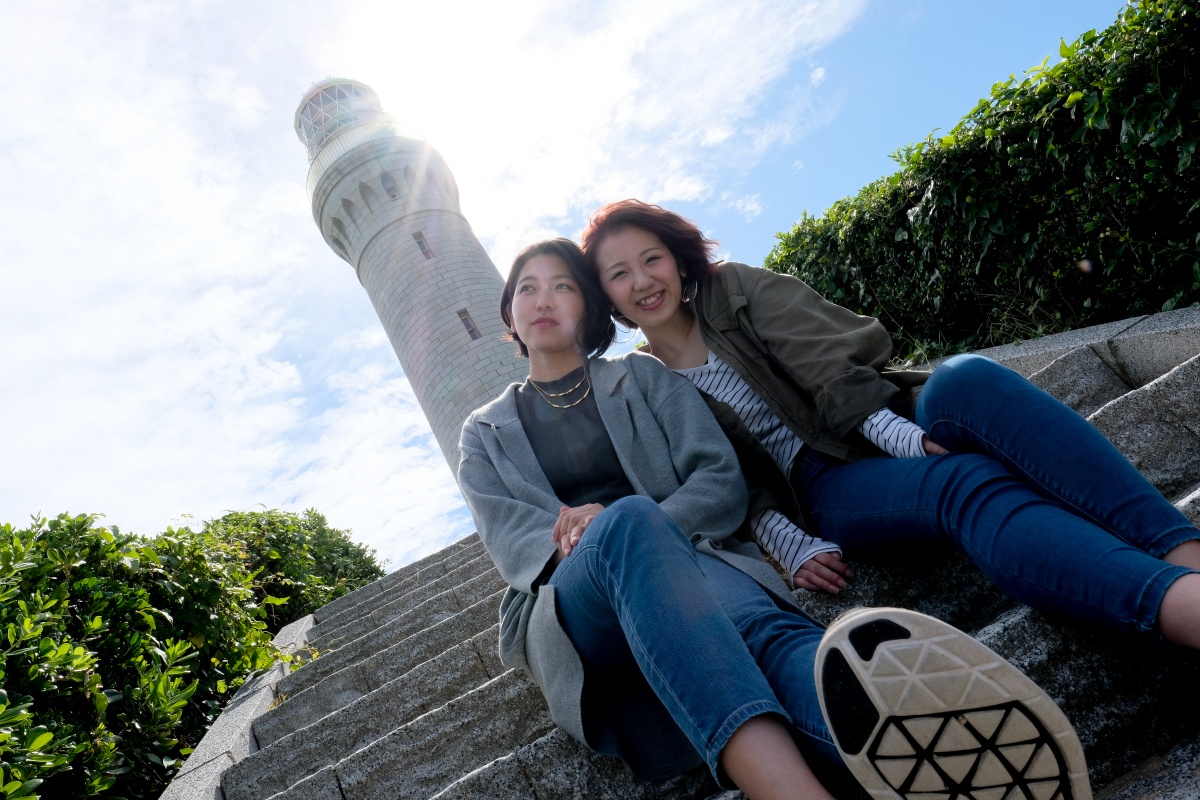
{"x": 691, "y": 249}
{"x": 596, "y": 331}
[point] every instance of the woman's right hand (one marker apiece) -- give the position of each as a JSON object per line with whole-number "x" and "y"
{"x": 570, "y": 525}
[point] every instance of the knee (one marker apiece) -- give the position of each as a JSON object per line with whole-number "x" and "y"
{"x": 631, "y": 522}
{"x": 964, "y": 381}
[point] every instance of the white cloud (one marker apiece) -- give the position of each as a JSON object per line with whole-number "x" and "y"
{"x": 817, "y": 76}
{"x": 748, "y": 205}
{"x": 177, "y": 339}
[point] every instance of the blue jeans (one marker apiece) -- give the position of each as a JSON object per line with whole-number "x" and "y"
{"x": 1031, "y": 492}
{"x": 715, "y": 648}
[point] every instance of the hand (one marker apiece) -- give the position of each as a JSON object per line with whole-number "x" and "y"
{"x": 570, "y": 525}
{"x": 931, "y": 447}
{"x": 825, "y": 572}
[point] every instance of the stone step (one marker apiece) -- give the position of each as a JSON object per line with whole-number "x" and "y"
{"x": 427, "y": 686}
{"x": 432, "y": 751}
{"x": 1157, "y": 427}
{"x": 1082, "y": 379}
{"x": 556, "y": 767}
{"x": 424, "y": 615}
{"x": 434, "y": 564}
{"x": 399, "y": 588}
{"x": 1174, "y": 776}
{"x": 1189, "y": 504}
{"x": 1128, "y": 697}
{"x": 304, "y": 705}
{"x": 386, "y": 606}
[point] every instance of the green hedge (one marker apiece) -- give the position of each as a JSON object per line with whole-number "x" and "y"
{"x": 118, "y": 651}
{"x": 1068, "y": 197}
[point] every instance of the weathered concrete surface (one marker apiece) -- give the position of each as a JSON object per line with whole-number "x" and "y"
{"x": 202, "y": 782}
{"x": 322, "y": 785}
{"x": 1158, "y": 428}
{"x": 231, "y": 733}
{"x": 338, "y": 631}
{"x": 344, "y": 686}
{"x": 337, "y": 735}
{"x": 434, "y": 750}
{"x": 1081, "y": 379}
{"x": 1175, "y": 776}
{"x": 1034, "y": 354}
{"x": 946, "y": 585}
{"x": 1127, "y": 696}
{"x": 1157, "y": 344}
{"x": 432, "y": 561}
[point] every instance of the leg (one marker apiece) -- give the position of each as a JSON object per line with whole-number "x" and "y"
{"x": 633, "y": 585}
{"x": 1034, "y": 549}
{"x": 972, "y": 404}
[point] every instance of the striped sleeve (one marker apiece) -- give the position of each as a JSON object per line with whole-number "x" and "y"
{"x": 786, "y": 543}
{"x": 893, "y": 434}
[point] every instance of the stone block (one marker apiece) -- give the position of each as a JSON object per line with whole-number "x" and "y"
{"x": 1158, "y": 344}
{"x": 306, "y": 707}
{"x": 1175, "y": 776}
{"x": 1189, "y": 504}
{"x": 348, "y": 600}
{"x": 436, "y": 749}
{"x": 1034, "y": 354}
{"x": 403, "y": 656}
{"x": 294, "y": 635}
{"x": 339, "y": 734}
{"x": 1082, "y": 379}
{"x": 201, "y": 783}
{"x": 231, "y": 732}
{"x": 563, "y": 769}
{"x": 945, "y": 585}
{"x": 487, "y": 645}
{"x": 1127, "y": 696}
{"x": 482, "y": 585}
{"x": 1157, "y": 427}
{"x": 501, "y": 778}
{"x": 426, "y": 614}
{"x": 322, "y": 785}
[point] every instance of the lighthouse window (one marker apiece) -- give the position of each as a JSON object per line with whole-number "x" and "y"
{"x": 426, "y": 250}
{"x": 468, "y": 323}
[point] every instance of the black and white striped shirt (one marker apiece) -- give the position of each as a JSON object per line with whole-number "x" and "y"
{"x": 788, "y": 544}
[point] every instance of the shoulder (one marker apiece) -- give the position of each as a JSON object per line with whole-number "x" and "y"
{"x": 499, "y": 409}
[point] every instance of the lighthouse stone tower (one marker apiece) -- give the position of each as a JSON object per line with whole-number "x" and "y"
{"x": 386, "y": 203}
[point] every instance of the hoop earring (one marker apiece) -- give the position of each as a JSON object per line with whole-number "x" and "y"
{"x": 689, "y": 293}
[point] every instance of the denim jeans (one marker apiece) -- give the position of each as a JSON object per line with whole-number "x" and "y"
{"x": 715, "y": 648}
{"x": 1031, "y": 492}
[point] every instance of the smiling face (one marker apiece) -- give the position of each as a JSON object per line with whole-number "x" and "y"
{"x": 641, "y": 279}
{"x": 547, "y": 307}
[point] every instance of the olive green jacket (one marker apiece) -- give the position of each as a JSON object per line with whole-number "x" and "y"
{"x": 817, "y": 365}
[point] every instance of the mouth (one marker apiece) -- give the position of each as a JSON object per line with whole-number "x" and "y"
{"x": 544, "y": 322}
{"x": 651, "y": 302}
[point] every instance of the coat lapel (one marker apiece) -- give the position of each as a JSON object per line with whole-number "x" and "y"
{"x": 609, "y": 380}
{"x": 505, "y": 423}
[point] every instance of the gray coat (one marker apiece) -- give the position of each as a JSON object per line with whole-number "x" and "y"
{"x": 672, "y": 450}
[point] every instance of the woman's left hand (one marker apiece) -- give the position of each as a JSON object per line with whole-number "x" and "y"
{"x": 931, "y": 447}
{"x": 570, "y": 525}
{"x": 823, "y": 572}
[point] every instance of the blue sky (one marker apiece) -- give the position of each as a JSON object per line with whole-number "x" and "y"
{"x": 177, "y": 341}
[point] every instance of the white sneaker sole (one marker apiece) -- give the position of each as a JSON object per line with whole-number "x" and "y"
{"x": 919, "y": 710}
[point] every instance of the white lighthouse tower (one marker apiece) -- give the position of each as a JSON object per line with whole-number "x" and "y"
{"x": 385, "y": 202}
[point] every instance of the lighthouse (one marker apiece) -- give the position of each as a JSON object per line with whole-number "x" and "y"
{"x": 387, "y": 204}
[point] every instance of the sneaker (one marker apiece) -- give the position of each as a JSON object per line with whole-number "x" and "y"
{"x": 920, "y": 710}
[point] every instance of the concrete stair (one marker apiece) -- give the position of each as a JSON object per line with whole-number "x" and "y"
{"x": 406, "y": 697}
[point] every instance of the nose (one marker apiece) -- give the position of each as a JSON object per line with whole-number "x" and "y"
{"x": 544, "y": 300}
{"x": 641, "y": 279}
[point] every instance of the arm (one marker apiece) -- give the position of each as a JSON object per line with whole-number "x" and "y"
{"x": 832, "y": 353}
{"x": 812, "y": 563}
{"x": 515, "y": 533}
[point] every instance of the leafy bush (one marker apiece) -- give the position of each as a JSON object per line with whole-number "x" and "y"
{"x": 1069, "y": 197}
{"x": 118, "y": 651}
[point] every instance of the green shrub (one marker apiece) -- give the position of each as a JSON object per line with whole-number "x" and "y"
{"x": 1069, "y": 197}
{"x": 118, "y": 651}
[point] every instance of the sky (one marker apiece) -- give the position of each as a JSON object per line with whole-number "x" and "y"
{"x": 177, "y": 341}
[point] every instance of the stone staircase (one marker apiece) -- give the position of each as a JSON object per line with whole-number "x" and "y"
{"x": 407, "y": 698}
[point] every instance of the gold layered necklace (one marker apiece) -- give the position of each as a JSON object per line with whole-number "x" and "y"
{"x": 548, "y": 395}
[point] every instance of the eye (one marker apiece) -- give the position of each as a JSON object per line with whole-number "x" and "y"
{"x": 652, "y": 259}
{"x": 524, "y": 288}
{"x": 570, "y": 287}
{"x": 616, "y": 273}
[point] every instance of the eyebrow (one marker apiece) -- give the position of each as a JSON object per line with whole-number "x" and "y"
{"x": 622, "y": 263}
{"x": 560, "y": 276}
